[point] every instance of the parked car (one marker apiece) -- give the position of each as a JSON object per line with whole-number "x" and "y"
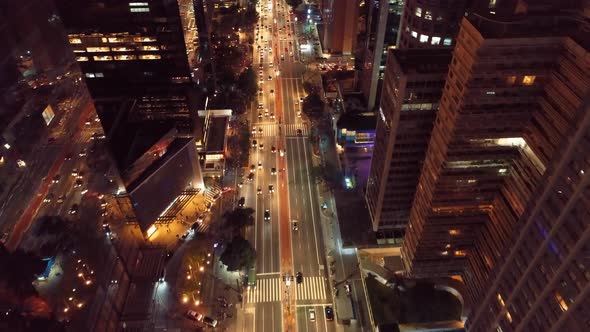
{"x": 329, "y": 313}
{"x": 194, "y": 315}
{"x": 210, "y": 321}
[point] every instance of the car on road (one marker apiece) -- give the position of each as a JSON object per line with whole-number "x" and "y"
{"x": 48, "y": 198}
{"x": 259, "y": 191}
{"x": 260, "y": 115}
{"x": 299, "y": 277}
{"x": 251, "y": 177}
{"x": 311, "y": 315}
{"x": 329, "y": 313}
{"x": 210, "y": 321}
{"x": 273, "y": 171}
{"x": 272, "y": 115}
{"x": 252, "y": 168}
{"x": 267, "y": 215}
{"x": 261, "y": 147}
{"x": 260, "y": 164}
{"x": 194, "y": 315}
{"x": 61, "y": 198}
{"x": 295, "y": 225}
{"x": 78, "y": 183}
{"x": 82, "y": 153}
{"x": 254, "y": 130}
{"x": 273, "y": 149}
{"x": 254, "y": 143}
{"x": 299, "y": 132}
{"x": 271, "y": 188}
{"x": 75, "y": 172}
{"x": 56, "y": 178}
{"x": 241, "y": 202}
{"x": 260, "y": 130}
{"x": 282, "y": 153}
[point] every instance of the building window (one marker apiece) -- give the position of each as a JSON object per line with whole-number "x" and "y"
{"x": 122, "y": 49}
{"x": 99, "y": 74}
{"x": 414, "y": 34}
{"x": 418, "y": 12}
{"x": 81, "y": 58}
{"x": 138, "y": 4}
{"x": 428, "y": 15}
{"x": 144, "y": 39}
{"x": 124, "y": 57}
{"x": 447, "y": 41}
{"x": 510, "y": 80}
{"x": 528, "y": 80}
{"x": 75, "y": 41}
{"x": 149, "y": 48}
{"x": 460, "y": 253}
{"x": 104, "y": 40}
{"x": 454, "y": 232}
{"x": 423, "y": 38}
{"x": 150, "y": 57}
{"x": 509, "y": 316}
{"x": 435, "y": 40}
{"x": 89, "y": 75}
{"x": 115, "y": 40}
{"x": 102, "y": 58}
{"x": 139, "y": 10}
{"x": 98, "y": 49}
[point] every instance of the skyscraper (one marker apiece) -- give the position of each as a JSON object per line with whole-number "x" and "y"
{"x": 383, "y": 21}
{"x": 513, "y": 96}
{"x": 432, "y": 23}
{"x": 140, "y": 50}
{"x": 339, "y": 26}
{"x": 412, "y": 88}
{"x": 541, "y": 282}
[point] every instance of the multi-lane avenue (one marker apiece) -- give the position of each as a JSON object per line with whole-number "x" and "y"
{"x": 286, "y": 235}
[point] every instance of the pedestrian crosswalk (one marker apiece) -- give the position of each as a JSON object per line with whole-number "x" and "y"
{"x": 266, "y": 290}
{"x": 274, "y": 130}
{"x": 312, "y": 288}
{"x": 203, "y": 227}
{"x": 269, "y": 290}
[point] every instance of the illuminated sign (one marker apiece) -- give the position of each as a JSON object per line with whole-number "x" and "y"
{"x": 48, "y": 114}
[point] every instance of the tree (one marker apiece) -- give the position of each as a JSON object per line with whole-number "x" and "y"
{"x": 238, "y": 254}
{"x": 248, "y": 83}
{"x": 237, "y": 219}
{"x": 19, "y": 270}
{"x": 313, "y": 106}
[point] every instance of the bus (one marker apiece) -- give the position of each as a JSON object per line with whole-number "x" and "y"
{"x": 252, "y": 278}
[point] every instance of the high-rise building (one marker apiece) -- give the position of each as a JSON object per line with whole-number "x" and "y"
{"x": 541, "y": 282}
{"x": 383, "y": 21}
{"x": 141, "y": 50}
{"x": 412, "y": 88}
{"x": 431, "y": 23}
{"x": 339, "y": 26}
{"x": 513, "y": 96}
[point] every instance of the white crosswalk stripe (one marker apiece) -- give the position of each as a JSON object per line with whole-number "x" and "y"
{"x": 273, "y": 130}
{"x": 312, "y": 288}
{"x": 267, "y": 290}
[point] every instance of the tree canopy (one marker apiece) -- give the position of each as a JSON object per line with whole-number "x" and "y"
{"x": 238, "y": 254}
{"x": 313, "y": 105}
{"x": 294, "y": 3}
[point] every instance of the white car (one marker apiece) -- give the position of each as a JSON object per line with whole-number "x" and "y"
{"x": 194, "y": 315}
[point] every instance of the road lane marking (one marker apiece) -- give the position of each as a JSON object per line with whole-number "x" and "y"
{"x": 315, "y": 237}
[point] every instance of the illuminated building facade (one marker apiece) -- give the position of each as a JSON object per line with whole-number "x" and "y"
{"x": 383, "y": 23}
{"x": 339, "y": 26}
{"x": 412, "y": 88}
{"x": 512, "y": 98}
{"x": 431, "y": 23}
{"x": 136, "y": 49}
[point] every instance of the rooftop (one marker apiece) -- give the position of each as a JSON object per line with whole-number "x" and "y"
{"x": 422, "y": 60}
{"x": 216, "y": 134}
{"x": 357, "y": 121}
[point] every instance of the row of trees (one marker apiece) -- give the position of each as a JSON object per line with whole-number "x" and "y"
{"x": 238, "y": 253}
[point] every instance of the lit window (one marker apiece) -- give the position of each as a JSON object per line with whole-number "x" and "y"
{"x": 99, "y": 74}
{"x": 98, "y": 49}
{"x": 125, "y": 57}
{"x": 528, "y": 80}
{"x": 447, "y": 41}
{"x": 509, "y": 316}
{"x": 435, "y": 40}
{"x": 89, "y": 75}
{"x": 453, "y": 231}
{"x": 81, "y": 58}
{"x": 104, "y": 40}
{"x": 460, "y": 253}
{"x": 423, "y": 38}
{"x": 150, "y": 48}
{"x": 150, "y": 57}
{"x": 115, "y": 40}
{"x": 138, "y": 4}
{"x": 510, "y": 80}
{"x": 502, "y": 170}
{"x": 444, "y": 253}
{"x": 490, "y": 93}
{"x": 144, "y": 39}
{"x": 562, "y": 304}
{"x": 102, "y": 58}
{"x": 122, "y": 49}
{"x": 418, "y": 12}
{"x": 500, "y": 299}
{"x": 492, "y": 4}
{"x": 414, "y": 34}
{"x": 428, "y": 15}
{"x": 75, "y": 41}
{"x": 139, "y": 10}
{"x": 79, "y": 51}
